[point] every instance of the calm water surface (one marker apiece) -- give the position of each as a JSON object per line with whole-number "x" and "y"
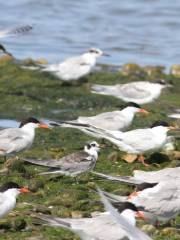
{"x": 141, "y": 31}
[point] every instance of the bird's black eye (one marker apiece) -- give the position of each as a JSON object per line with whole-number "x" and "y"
{"x": 93, "y": 144}
{"x": 93, "y": 51}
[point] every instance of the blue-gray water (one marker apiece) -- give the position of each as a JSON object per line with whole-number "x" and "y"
{"x": 141, "y": 31}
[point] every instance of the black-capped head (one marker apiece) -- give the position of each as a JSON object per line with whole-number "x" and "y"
{"x": 97, "y": 52}
{"x": 126, "y": 205}
{"x": 132, "y": 104}
{"x": 9, "y": 185}
{"x": 160, "y": 123}
{"x": 162, "y": 82}
{"x": 92, "y": 145}
{"x": 28, "y": 120}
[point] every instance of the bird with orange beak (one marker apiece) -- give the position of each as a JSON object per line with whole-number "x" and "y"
{"x": 115, "y": 120}
{"x": 137, "y": 141}
{"x": 14, "y": 140}
{"x": 8, "y": 194}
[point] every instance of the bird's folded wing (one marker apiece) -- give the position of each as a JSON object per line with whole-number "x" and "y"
{"x": 135, "y": 90}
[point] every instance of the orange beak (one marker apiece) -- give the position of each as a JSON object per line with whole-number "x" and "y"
{"x": 24, "y": 190}
{"x": 140, "y": 215}
{"x": 142, "y": 110}
{"x": 43, "y": 125}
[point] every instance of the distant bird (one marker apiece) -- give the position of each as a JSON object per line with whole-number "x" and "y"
{"x": 116, "y": 120}
{"x": 74, "y": 68}
{"x": 72, "y": 164}
{"x": 14, "y": 140}
{"x": 8, "y": 194}
{"x": 108, "y": 225}
{"x": 138, "y": 141}
{"x": 13, "y": 32}
{"x": 139, "y": 92}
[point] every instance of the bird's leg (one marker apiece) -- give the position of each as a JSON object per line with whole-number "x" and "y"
{"x": 157, "y": 224}
{"x": 142, "y": 160}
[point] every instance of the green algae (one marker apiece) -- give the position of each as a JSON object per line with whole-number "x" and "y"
{"x": 32, "y": 93}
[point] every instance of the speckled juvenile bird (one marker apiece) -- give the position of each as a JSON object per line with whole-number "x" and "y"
{"x": 73, "y": 68}
{"x": 72, "y": 164}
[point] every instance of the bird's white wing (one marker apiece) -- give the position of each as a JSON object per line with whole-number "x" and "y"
{"x": 162, "y": 200}
{"x": 139, "y": 139}
{"x": 15, "y": 31}
{"x": 11, "y": 140}
{"x": 131, "y": 231}
{"x": 157, "y": 176}
{"x": 135, "y": 90}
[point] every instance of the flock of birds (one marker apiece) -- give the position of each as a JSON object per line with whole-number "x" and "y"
{"x": 157, "y": 195}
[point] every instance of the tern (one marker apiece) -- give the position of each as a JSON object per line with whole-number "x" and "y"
{"x": 8, "y": 194}
{"x": 75, "y": 67}
{"x": 143, "y": 179}
{"x": 139, "y": 92}
{"x": 159, "y": 202}
{"x": 72, "y": 164}
{"x": 138, "y": 141}
{"x": 14, "y": 140}
{"x": 101, "y": 226}
{"x": 116, "y": 120}
{"x": 13, "y": 32}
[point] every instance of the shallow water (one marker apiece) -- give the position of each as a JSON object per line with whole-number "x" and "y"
{"x": 141, "y": 31}
{"x": 10, "y": 123}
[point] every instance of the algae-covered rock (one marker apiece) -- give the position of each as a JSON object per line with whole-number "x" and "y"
{"x": 154, "y": 71}
{"x": 169, "y": 231}
{"x": 77, "y": 214}
{"x": 175, "y": 70}
{"x": 150, "y": 229}
{"x": 130, "y": 68}
{"x": 19, "y": 224}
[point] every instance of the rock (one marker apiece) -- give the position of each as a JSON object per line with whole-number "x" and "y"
{"x": 91, "y": 185}
{"x": 149, "y": 229}
{"x": 130, "y": 68}
{"x": 169, "y": 231}
{"x": 76, "y": 214}
{"x": 175, "y": 70}
{"x": 41, "y": 61}
{"x": 154, "y": 70}
{"x": 129, "y": 157}
{"x": 61, "y": 212}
